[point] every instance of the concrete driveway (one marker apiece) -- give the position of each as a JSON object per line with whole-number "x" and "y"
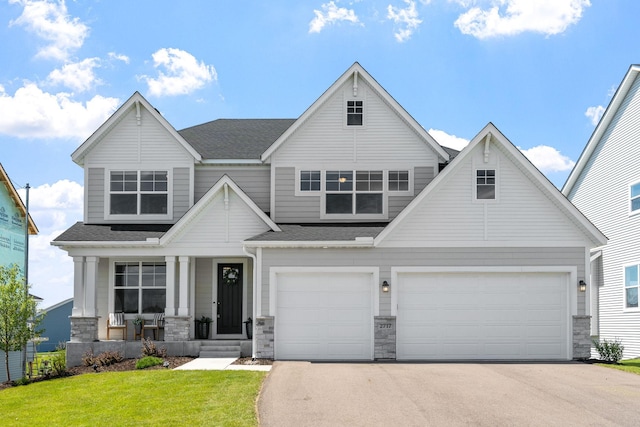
{"x": 492, "y": 394}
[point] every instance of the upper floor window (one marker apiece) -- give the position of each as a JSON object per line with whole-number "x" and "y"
{"x": 138, "y": 192}
{"x": 342, "y": 197}
{"x": 631, "y": 286}
{"x": 309, "y": 180}
{"x": 354, "y": 113}
{"x": 398, "y": 180}
{"x": 140, "y": 287}
{"x": 485, "y": 184}
{"x": 635, "y": 197}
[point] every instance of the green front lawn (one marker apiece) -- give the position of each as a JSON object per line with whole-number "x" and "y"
{"x": 131, "y": 398}
{"x": 631, "y": 365}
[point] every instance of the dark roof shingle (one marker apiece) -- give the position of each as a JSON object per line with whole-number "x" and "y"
{"x": 315, "y": 233}
{"x": 81, "y": 232}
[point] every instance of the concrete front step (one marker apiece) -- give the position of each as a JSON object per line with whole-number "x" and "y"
{"x": 220, "y": 349}
{"x": 213, "y": 354}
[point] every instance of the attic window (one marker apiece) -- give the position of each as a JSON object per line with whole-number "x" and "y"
{"x": 485, "y": 184}
{"x": 354, "y": 113}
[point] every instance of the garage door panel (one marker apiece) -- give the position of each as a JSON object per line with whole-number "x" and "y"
{"x": 324, "y": 316}
{"x": 502, "y": 315}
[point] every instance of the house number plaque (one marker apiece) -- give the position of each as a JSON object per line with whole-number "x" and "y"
{"x": 384, "y": 326}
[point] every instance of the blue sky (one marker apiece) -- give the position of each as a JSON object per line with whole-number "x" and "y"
{"x": 541, "y": 70}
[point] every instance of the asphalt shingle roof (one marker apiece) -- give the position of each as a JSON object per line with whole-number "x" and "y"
{"x": 235, "y": 138}
{"x": 81, "y": 232}
{"x": 294, "y": 233}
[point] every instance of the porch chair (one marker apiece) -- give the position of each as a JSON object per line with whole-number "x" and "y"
{"x": 155, "y": 325}
{"x": 116, "y": 321}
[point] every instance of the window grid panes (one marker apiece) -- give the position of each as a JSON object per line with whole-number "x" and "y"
{"x": 398, "y": 180}
{"x": 309, "y": 180}
{"x": 485, "y": 184}
{"x": 354, "y": 113}
{"x": 635, "y": 197}
{"x": 631, "y": 286}
{"x": 343, "y": 198}
{"x": 140, "y": 287}
{"x": 143, "y": 193}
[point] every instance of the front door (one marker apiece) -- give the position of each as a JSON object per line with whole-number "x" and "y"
{"x": 229, "y": 302}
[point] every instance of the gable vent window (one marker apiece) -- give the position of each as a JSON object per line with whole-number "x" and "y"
{"x": 354, "y": 113}
{"x": 138, "y": 193}
{"x": 635, "y": 197}
{"x": 485, "y": 184}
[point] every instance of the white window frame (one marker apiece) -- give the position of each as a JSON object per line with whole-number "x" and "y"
{"x": 624, "y": 286}
{"x": 631, "y": 211}
{"x": 140, "y": 288}
{"x": 138, "y": 216}
{"x": 474, "y": 187}
{"x": 364, "y": 216}
{"x": 410, "y": 184}
{"x": 299, "y": 192}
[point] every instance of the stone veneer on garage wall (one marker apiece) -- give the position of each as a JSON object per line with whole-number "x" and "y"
{"x": 385, "y": 337}
{"x": 581, "y": 337}
{"x": 264, "y": 337}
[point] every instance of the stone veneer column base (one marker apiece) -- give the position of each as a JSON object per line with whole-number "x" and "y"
{"x": 84, "y": 329}
{"x": 384, "y": 337}
{"x": 581, "y": 337}
{"x": 177, "y": 328}
{"x": 264, "y": 337}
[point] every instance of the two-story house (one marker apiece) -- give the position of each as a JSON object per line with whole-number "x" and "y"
{"x": 346, "y": 234}
{"x": 605, "y": 185}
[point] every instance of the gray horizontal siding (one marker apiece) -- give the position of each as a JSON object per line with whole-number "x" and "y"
{"x": 15, "y": 363}
{"x": 254, "y": 181}
{"x": 422, "y": 176}
{"x": 95, "y": 196}
{"x": 420, "y": 257}
{"x": 180, "y": 192}
{"x": 290, "y": 208}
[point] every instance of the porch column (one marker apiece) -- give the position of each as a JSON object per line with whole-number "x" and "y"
{"x": 170, "y": 309}
{"x": 78, "y": 286}
{"x": 183, "y": 307}
{"x": 91, "y": 272}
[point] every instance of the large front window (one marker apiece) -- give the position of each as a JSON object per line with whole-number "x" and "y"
{"x": 138, "y": 192}
{"x": 631, "y": 286}
{"x": 342, "y": 197}
{"x": 140, "y": 287}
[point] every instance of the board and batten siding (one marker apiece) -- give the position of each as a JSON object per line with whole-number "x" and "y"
{"x": 385, "y": 258}
{"x": 255, "y": 181}
{"x": 521, "y": 214}
{"x": 96, "y": 197}
{"x": 602, "y": 194}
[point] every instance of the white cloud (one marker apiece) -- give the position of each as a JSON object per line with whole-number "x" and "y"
{"x": 548, "y": 159}
{"x": 32, "y": 113}
{"x": 78, "y": 76}
{"x": 511, "y": 17}
{"x": 448, "y": 140}
{"x": 54, "y": 208}
{"x": 594, "y": 114}
{"x": 119, "y": 57}
{"x": 330, "y": 14}
{"x": 183, "y": 74}
{"x": 51, "y": 22}
{"x": 407, "y": 18}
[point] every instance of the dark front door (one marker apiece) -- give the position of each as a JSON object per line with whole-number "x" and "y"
{"x": 229, "y": 299}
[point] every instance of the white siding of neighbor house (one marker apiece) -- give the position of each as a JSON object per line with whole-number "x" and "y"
{"x": 602, "y": 194}
{"x": 128, "y": 146}
{"x": 522, "y": 213}
{"x": 385, "y": 258}
{"x": 324, "y": 142}
{"x": 255, "y": 181}
{"x": 218, "y": 228}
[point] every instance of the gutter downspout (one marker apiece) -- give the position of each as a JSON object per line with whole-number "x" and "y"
{"x": 254, "y": 310}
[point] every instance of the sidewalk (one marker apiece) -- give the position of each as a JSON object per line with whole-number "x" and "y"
{"x": 220, "y": 364}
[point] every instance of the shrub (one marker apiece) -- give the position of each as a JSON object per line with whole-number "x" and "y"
{"x": 148, "y": 361}
{"x": 103, "y": 359}
{"x": 59, "y": 363}
{"x": 609, "y": 351}
{"x": 149, "y": 349}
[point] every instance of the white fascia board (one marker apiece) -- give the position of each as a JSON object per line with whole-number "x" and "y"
{"x": 485, "y": 244}
{"x": 232, "y": 162}
{"x": 603, "y": 124}
{"x": 365, "y": 243}
{"x": 108, "y": 244}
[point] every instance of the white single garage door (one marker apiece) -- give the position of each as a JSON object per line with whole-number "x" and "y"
{"x": 324, "y": 316}
{"x": 483, "y": 316}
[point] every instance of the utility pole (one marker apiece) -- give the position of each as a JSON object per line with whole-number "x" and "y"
{"x": 26, "y": 270}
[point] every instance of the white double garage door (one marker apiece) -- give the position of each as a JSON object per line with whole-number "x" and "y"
{"x": 477, "y": 314}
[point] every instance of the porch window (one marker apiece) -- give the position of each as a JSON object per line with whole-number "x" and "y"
{"x": 631, "y": 286}
{"x": 140, "y": 287}
{"x": 138, "y": 192}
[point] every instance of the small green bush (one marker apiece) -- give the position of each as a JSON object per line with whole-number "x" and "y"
{"x": 148, "y": 361}
{"x": 59, "y": 363}
{"x": 609, "y": 351}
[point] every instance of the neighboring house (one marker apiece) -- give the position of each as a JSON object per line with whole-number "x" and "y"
{"x": 346, "y": 234}
{"x": 55, "y": 325}
{"x": 605, "y": 186}
{"x": 12, "y": 247}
